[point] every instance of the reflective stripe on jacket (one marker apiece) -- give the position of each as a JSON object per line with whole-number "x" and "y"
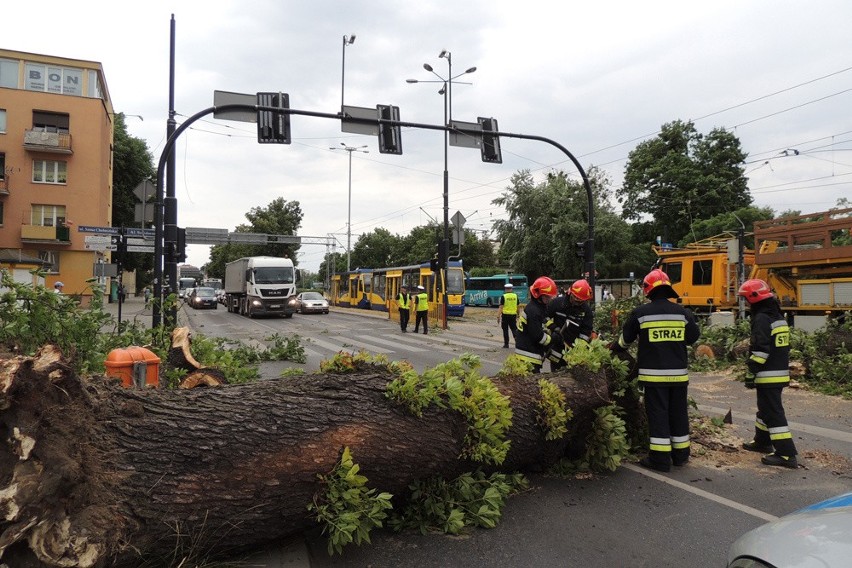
{"x": 664, "y": 329}
{"x": 769, "y": 350}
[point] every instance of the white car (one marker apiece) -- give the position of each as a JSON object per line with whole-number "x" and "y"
{"x": 311, "y": 302}
{"x": 819, "y": 535}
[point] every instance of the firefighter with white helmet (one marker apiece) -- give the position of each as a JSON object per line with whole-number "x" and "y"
{"x": 663, "y": 329}
{"x": 534, "y": 339}
{"x": 768, "y": 373}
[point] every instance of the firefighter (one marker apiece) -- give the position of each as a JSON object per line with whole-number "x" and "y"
{"x": 507, "y": 313}
{"x": 421, "y": 310}
{"x": 534, "y": 339}
{"x": 768, "y": 373}
{"x": 664, "y": 329}
{"x": 571, "y": 315}
{"x": 403, "y": 300}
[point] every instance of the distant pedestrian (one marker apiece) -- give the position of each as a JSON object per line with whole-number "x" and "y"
{"x": 768, "y": 373}
{"x": 403, "y": 300}
{"x": 421, "y": 310}
{"x": 606, "y": 294}
{"x": 57, "y": 287}
{"x": 122, "y": 293}
{"x": 507, "y": 314}
{"x": 146, "y": 293}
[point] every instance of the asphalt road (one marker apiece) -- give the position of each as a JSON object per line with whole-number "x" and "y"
{"x": 631, "y": 517}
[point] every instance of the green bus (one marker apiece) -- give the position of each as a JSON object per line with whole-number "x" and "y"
{"x": 487, "y": 290}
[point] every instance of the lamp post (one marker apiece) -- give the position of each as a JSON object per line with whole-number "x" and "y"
{"x": 349, "y": 149}
{"x": 447, "y": 91}
{"x": 347, "y": 40}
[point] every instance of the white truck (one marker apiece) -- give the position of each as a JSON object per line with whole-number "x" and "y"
{"x": 261, "y": 285}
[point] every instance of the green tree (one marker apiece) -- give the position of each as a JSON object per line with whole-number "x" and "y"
{"x": 743, "y": 218}
{"x": 132, "y": 164}
{"x": 546, "y": 220}
{"x": 376, "y": 249}
{"x": 280, "y": 217}
{"x": 682, "y": 176}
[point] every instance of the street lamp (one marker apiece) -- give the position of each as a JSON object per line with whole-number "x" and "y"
{"x": 349, "y": 149}
{"x": 447, "y": 91}
{"x": 347, "y": 40}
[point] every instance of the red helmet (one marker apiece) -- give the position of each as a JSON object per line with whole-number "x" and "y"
{"x": 655, "y": 279}
{"x": 581, "y": 290}
{"x": 755, "y": 290}
{"x": 543, "y": 286}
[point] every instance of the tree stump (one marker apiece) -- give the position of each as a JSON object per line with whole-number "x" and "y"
{"x": 92, "y": 474}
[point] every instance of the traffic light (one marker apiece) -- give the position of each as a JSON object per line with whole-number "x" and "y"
{"x": 180, "y": 245}
{"x": 490, "y": 141}
{"x": 273, "y": 127}
{"x": 390, "y": 140}
{"x": 580, "y": 249}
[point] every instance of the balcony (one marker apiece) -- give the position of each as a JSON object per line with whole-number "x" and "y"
{"x": 40, "y": 141}
{"x": 39, "y": 234}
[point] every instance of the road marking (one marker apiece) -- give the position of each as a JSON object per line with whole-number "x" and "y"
{"x": 347, "y": 344}
{"x": 395, "y": 344}
{"x": 838, "y": 435}
{"x": 701, "y": 493}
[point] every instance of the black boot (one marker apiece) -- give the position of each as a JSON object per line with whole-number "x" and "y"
{"x": 780, "y": 461}
{"x": 760, "y": 448}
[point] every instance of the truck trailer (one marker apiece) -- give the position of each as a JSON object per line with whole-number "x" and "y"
{"x": 807, "y": 261}
{"x": 261, "y": 286}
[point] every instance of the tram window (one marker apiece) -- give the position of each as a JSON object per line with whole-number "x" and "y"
{"x": 674, "y": 270}
{"x": 702, "y": 272}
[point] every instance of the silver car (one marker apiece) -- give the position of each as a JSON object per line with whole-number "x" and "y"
{"x": 311, "y": 302}
{"x": 818, "y": 535}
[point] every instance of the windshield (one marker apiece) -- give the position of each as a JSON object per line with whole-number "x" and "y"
{"x": 312, "y": 296}
{"x": 274, "y": 275}
{"x": 455, "y": 281}
{"x": 205, "y": 292}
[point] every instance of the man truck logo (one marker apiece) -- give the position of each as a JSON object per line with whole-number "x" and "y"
{"x": 666, "y": 334}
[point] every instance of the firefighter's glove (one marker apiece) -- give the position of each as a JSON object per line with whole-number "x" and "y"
{"x": 749, "y": 380}
{"x": 615, "y": 347}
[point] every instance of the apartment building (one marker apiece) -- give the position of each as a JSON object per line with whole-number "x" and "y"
{"x": 56, "y": 132}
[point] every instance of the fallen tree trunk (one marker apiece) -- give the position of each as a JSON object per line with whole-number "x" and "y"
{"x": 92, "y": 474}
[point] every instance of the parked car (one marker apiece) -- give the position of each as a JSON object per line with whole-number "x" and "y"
{"x": 203, "y": 298}
{"x": 818, "y": 535}
{"x": 311, "y": 302}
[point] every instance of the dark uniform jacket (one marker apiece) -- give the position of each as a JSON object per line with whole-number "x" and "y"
{"x": 664, "y": 330}
{"x": 572, "y": 321}
{"x": 769, "y": 356}
{"x": 532, "y": 339}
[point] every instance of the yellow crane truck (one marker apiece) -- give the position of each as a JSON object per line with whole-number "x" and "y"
{"x": 807, "y": 260}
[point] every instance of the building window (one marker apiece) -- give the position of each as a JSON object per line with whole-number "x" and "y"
{"x": 51, "y": 257}
{"x": 1, "y": 213}
{"x": 2, "y": 166}
{"x": 8, "y": 73}
{"x": 96, "y": 90}
{"x": 50, "y": 171}
{"x": 2, "y": 120}
{"x": 48, "y": 215}
{"x": 53, "y": 79}
{"x": 51, "y": 122}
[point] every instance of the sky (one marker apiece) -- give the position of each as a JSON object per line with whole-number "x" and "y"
{"x": 598, "y": 78}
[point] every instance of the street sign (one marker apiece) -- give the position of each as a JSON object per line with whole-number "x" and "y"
{"x": 370, "y": 129}
{"x": 144, "y": 191}
{"x": 97, "y": 239}
{"x": 99, "y": 246}
{"x": 228, "y": 98}
{"x": 99, "y": 230}
{"x": 137, "y": 248}
{"x": 458, "y": 219}
{"x": 138, "y": 242}
{"x": 466, "y": 139}
{"x": 136, "y": 232}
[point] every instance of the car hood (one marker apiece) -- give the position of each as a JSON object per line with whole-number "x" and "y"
{"x": 818, "y": 535}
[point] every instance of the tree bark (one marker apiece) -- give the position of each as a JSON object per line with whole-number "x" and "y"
{"x": 92, "y": 474}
